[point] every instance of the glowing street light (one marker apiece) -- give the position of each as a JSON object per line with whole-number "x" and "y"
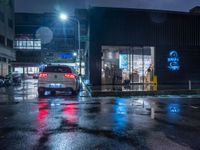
{"x": 63, "y": 17}
{"x": 74, "y": 54}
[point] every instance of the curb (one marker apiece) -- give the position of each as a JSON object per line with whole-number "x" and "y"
{"x": 143, "y": 93}
{"x": 86, "y": 87}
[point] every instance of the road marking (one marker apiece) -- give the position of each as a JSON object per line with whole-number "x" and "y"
{"x": 195, "y": 107}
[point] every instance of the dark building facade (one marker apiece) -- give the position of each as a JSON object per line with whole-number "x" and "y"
{"x": 128, "y": 43}
{"x": 42, "y": 39}
{"x": 7, "y": 32}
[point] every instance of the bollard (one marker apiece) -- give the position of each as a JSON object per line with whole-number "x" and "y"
{"x": 152, "y": 113}
{"x": 190, "y": 87}
{"x": 153, "y": 110}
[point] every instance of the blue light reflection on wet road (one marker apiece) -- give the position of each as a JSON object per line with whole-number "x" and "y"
{"x": 120, "y": 114}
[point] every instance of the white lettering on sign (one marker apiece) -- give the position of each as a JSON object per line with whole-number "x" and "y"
{"x": 173, "y": 61}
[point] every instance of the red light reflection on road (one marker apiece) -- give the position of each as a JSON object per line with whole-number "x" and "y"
{"x": 70, "y": 113}
{"x": 43, "y": 112}
{"x": 42, "y": 115}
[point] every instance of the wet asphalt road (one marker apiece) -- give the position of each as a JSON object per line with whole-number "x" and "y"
{"x": 64, "y": 122}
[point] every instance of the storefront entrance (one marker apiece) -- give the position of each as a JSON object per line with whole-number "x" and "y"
{"x": 124, "y": 65}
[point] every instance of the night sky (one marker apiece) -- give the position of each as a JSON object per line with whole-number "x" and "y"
{"x": 38, "y": 6}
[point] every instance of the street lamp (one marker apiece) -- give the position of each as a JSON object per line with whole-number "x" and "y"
{"x": 74, "y": 54}
{"x": 64, "y": 17}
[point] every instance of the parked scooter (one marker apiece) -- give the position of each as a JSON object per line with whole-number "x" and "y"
{"x": 2, "y": 81}
{"x": 8, "y": 80}
{"x": 16, "y": 79}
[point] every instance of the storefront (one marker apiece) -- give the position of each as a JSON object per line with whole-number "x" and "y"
{"x": 122, "y": 65}
{"x": 133, "y": 46}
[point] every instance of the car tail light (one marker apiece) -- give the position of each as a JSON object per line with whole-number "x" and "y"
{"x": 43, "y": 75}
{"x": 69, "y": 75}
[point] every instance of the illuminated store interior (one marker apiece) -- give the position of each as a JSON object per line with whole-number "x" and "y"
{"x": 127, "y": 64}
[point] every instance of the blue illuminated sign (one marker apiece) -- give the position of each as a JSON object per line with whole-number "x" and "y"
{"x": 173, "y": 61}
{"x": 173, "y": 108}
{"x": 120, "y": 118}
{"x": 66, "y": 55}
{"x": 123, "y": 61}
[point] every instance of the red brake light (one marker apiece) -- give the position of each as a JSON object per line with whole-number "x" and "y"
{"x": 43, "y": 75}
{"x": 69, "y": 75}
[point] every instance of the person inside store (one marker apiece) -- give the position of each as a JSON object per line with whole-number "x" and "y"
{"x": 148, "y": 77}
{"x": 126, "y": 80}
{"x": 149, "y": 74}
{"x": 113, "y": 70}
{"x": 135, "y": 76}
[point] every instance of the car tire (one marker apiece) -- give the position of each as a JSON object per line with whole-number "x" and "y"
{"x": 79, "y": 88}
{"x": 74, "y": 92}
{"x": 41, "y": 92}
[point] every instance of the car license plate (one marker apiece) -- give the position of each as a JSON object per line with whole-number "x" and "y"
{"x": 56, "y": 85}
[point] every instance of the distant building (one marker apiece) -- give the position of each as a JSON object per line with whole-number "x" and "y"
{"x": 133, "y": 45}
{"x": 195, "y": 9}
{"x": 7, "y": 53}
{"x": 43, "y": 39}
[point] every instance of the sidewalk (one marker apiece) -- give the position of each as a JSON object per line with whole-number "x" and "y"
{"x": 136, "y": 90}
{"x": 2, "y": 90}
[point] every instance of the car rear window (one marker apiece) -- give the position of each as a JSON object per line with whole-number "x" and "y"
{"x": 58, "y": 69}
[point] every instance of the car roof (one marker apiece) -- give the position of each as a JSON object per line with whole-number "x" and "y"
{"x": 57, "y": 66}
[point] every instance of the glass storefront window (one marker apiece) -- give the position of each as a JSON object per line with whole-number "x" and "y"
{"x": 127, "y": 64}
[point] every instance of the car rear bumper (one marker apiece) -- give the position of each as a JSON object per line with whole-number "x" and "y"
{"x": 41, "y": 89}
{"x": 62, "y": 87}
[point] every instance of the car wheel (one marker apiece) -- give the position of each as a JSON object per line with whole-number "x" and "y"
{"x": 79, "y": 88}
{"x": 41, "y": 93}
{"x": 74, "y": 92}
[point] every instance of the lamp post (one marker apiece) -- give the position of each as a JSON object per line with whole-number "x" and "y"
{"x": 64, "y": 17}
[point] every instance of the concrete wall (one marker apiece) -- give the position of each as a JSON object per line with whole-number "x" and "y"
{"x": 7, "y": 53}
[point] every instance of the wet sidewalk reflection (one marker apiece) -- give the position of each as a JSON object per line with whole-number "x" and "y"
{"x": 136, "y": 87}
{"x": 26, "y": 91}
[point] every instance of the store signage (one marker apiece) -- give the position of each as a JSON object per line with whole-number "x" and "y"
{"x": 173, "y": 108}
{"x": 123, "y": 61}
{"x": 173, "y": 61}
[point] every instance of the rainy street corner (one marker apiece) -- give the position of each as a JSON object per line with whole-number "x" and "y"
{"x": 82, "y": 122}
{"x": 99, "y": 75}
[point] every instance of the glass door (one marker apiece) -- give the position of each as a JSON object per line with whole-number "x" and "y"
{"x": 142, "y": 64}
